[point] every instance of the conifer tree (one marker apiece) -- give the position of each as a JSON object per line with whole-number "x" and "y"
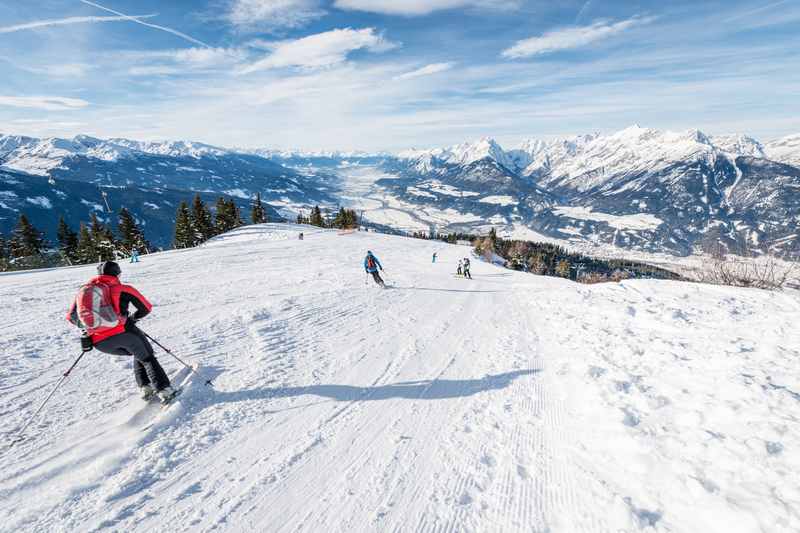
{"x": 87, "y": 250}
{"x": 25, "y": 240}
{"x": 201, "y": 221}
{"x": 493, "y": 236}
{"x": 258, "y": 214}
{"x": 3, "y": 254}
{"x": 131, "y": 237}
{"x": 316, "y": 217}
{"x": 67, "y": 242}
{"x": 235, "y": 215}
{"x": 347, "y": 218}
{"x": 184, "y": 233}
{"x": 562, "y": 268}
{"x": 103, "y": 240}
{"x": 222, "y": 218}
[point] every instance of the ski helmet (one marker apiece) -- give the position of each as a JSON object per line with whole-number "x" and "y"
{"x": 109, "y": 268}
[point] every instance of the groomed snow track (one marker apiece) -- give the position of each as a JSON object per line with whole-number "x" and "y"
{"x": 507, "y": 403}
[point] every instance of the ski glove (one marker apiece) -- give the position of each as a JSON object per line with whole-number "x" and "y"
{"x": 86, "y": 343}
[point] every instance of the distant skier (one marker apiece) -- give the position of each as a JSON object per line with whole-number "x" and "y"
{"x": 101, "y": 309}
{"x": 300, "y": 236}
{"x": 458, "y": 271}
{"x": 134, "y": 256}
{"x": 466, "y": 268}
{"x": 371, "y": 265}
{"x": 434, "y": 257}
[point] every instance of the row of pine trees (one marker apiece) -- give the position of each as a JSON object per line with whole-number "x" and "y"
{"x": 344, "y": 219}
{"x": 195, "y": 226}
{"x": 95, "y": 241}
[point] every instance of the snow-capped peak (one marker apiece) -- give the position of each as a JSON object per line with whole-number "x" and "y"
{"x": 738, "y": 144}
{"x": 40, "y": 156}
{"x": 461, "y": 154}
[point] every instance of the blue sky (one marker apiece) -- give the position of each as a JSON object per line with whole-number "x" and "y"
{"x": 394, "y": 74}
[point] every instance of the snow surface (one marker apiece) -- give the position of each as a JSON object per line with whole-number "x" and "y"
{"x": 41, "y": 201}
{"x": 501, "y": 199}
{"x": 639, "y": 221}
{"x": 508, "y": 403}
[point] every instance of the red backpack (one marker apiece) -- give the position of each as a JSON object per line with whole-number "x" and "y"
{"x": 94, "y": 305}
{"x": 370, "y": 262}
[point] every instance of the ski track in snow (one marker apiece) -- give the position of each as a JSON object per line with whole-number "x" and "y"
{"x": 508, "y": 403}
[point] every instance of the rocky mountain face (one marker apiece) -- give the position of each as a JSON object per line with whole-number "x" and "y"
{"x": 50, "y": 177}
{"x": 638, "y": 188}
{"x": 641, "y": 188}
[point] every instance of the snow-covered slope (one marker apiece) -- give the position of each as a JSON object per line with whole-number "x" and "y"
{"x": 40, "y": 156}
{"x": 785, "y": 150}
{"x": 509, "y": 403}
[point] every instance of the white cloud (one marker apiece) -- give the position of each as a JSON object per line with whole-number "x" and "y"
{"x": 48, "y": 103}
{"x": 420, "y": 7}
{"x": 66, "y": 21}
{"x": 320, "y": 50}
{"x": 427, "y": 70}
{"x": 271, "y": 14}
{"x": 62, "y": 70}
{"x": 574, "y": 37}
{"x": 177, "y": 61}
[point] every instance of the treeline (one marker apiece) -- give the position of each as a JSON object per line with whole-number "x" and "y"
{"x": 344, "y": 219}
{"x": 547, "y": 259}
{"x": 27, "y": 247}
{"x": 451, "y": 238}
{"x": 95, "y": 241}
{"x": 196, "y": 225}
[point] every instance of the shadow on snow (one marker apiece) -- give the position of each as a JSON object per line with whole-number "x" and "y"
{"x": 434, "y": 389}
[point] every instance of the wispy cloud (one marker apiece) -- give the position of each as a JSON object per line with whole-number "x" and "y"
{"x": 319, "y": 50}
{"x": 573, "y": 37}
{"x": 420, "y": 7}
{"x": 427, "y": 70}
{"x": 66, "y": 21}
{"x": 154, "y": 26}
{"x": 266, "y": 15}
{"x": 180, "y": 61}
{"x": 48, "y": 103}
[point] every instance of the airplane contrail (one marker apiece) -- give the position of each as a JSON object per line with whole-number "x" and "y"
{"x": 156, "y": 26}
{"x": 65, "y": 21}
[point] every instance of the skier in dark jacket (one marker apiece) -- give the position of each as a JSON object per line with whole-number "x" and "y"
{"x": 115, "y": 331}
{"x": 371, "y": 265}
{"x": 466, "y": 268}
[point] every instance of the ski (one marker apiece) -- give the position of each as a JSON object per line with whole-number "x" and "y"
{"x": 166, "y": 403}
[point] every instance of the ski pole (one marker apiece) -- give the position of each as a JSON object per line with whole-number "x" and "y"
{"x": 190, "y": 367}
{"x": 64, "y": 376}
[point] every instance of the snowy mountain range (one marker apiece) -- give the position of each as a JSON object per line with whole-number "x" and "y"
{"x": 46, "y": 178}
{"x": 639, "y": 188}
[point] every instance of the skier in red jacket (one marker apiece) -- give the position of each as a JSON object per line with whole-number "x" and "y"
{"x": 101, "y": 309}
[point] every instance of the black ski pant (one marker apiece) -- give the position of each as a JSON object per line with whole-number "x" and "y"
{"x": 146, "y": 368}
{"x": 377, "y": 277}
{"x": 467, "y": 274}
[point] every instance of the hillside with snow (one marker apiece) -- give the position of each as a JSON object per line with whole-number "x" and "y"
{"x": 508, "y": 403}
{"x": 638, "y": 189}
{"x": 687, "y": 186}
